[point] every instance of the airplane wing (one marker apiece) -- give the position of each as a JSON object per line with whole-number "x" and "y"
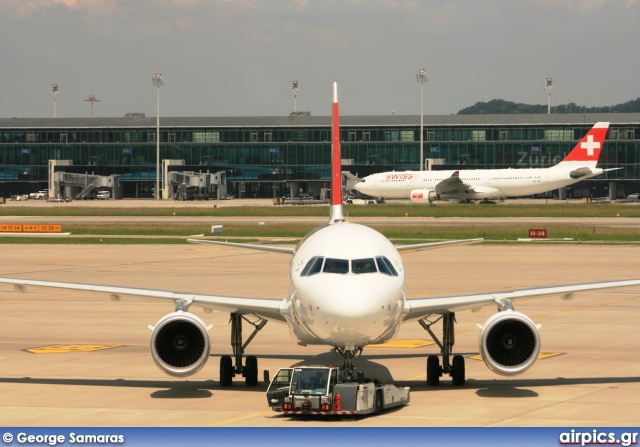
{"x": 422, "y": 307}
{"x": 452, "y": 184}
{"x": 265, "y": 308}
{"x": 430, "y": 245}
{"x": 286, "y": 250}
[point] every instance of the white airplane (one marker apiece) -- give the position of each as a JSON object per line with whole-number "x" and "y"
{"x": 474, "y": 184}
{"x": 347, "y": 291}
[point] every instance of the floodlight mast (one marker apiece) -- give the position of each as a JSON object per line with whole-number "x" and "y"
{"x": 421, "y": 77}
{"x": 54, "y": 93}
{"x": 157, "y": 81}
{"x": 548, "y": 86}
{"x": 295, "y": 88}
{"x": 92, "y": 99}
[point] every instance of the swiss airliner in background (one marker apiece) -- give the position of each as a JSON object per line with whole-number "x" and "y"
{"x": 347, "y": 285}
{"x": 478, "y": 184}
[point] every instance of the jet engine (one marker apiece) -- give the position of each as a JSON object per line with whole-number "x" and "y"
{"x": 509, "y": 343}
{"x": 180, "y": 344}
{"x": 423, "y": 196}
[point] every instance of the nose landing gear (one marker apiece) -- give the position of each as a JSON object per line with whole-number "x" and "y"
{"x": 348, "y": 354}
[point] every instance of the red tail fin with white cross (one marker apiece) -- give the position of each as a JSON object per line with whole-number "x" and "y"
{"x": 587, "y": 151}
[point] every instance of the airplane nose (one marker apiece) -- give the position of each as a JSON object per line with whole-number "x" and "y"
{"x": 356, "y": 315}
{"x": 355, "y": 302}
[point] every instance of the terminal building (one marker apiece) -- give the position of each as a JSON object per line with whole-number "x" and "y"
{"x": 288, "y": 156}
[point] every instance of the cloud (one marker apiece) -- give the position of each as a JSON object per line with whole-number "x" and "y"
{"x": 572, "y": 6}
{"x": 27, "y": 7}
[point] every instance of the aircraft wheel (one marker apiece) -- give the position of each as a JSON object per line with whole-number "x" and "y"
{"x": 457, "y": 370}
{"x": 433, "y": 370}
{"x": 226, "y": 370}
{"x": 251, "y": 371}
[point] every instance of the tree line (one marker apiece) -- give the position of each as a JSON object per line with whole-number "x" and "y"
{"x": 500, "y": 106}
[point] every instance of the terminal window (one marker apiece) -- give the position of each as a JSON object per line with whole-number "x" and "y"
{"x": 206, "y": 137}
{"x": 407, "y": 135}
{"x": 558, "y": 134}
{"x": 478, "y": 135}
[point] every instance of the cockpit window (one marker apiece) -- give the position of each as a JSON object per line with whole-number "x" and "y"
{"x": 385, "y": 266}
{"x": 313, "y": 267}
{"x": 319, "y": 264}
{"x": 340, "y": 266}
{"x": 366, "y": 265}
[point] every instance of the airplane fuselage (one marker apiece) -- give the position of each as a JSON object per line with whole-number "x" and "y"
{"x": 486, "y": 183}
{"x": 343, "y": 291}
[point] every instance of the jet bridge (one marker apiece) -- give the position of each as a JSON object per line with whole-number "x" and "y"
{"x": 82, "y": 186}
{"x": 188, "y": 185}
{"x": 64, "y": 184}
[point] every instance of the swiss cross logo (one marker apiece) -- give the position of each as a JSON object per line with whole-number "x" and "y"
{"x": 590, "y": 145}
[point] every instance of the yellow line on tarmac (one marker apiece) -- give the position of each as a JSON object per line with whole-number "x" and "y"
{"x": 606, "y": 303}
{"x": 574, "y": 309}
{"x": 634, "y": 298}
{"x": 417, "y": 377}
{"x": 57, "y": 349}
{"x": 541, "y": 316}
{"x": 542, "y": 355}
{"x": 546, "y": 355}
{"x": 410, "y": 344}
{"x": 404, "y": 344}
{"x": 240, "y": 418}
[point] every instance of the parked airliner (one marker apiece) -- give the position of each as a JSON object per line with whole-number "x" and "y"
{"x": 347, "y": 285}
{"x": 474, "y": 184}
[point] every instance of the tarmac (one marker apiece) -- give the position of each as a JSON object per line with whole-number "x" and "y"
{"x": 78, "y": 359}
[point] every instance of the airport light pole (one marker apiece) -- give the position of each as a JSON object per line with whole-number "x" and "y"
{"x": 295, "y": 88}
{"x": 421, "y": 77}
{"x": 157, "y": 81}
{"x": 548, "y": 86}
{"x": 54, "y": 93}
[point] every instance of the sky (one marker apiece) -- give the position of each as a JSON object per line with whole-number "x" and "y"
{"x": 239, "y": 57}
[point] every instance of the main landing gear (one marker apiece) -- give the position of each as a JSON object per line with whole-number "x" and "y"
{"x": 250, "y": 370}
{"x": 454, "y": 368}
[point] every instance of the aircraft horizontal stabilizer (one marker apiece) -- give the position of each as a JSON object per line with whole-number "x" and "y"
{"x": 430, "y": 245}
{"x": 286, "y": 250}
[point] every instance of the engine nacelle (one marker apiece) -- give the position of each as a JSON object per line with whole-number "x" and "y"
{"x": 509, "y": 343}
{"x": 180, "y": 344}
{"x": 423, "y": 196}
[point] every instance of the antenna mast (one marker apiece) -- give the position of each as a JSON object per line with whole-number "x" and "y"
{"x": 92, "y": 99}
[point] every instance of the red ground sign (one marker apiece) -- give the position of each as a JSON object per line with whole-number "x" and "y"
{"x": 538, "y": 233}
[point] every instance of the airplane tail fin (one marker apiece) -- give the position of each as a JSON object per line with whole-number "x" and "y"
{"x": 587, "y": 151}
{"x": 336, "y": 214}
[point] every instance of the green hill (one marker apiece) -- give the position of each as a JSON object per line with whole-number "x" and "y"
{"x": 500, "y": 106}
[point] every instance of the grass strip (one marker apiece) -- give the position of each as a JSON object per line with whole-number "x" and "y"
{"x": 149, "y": 234}
{"x": 551, "y": 209}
